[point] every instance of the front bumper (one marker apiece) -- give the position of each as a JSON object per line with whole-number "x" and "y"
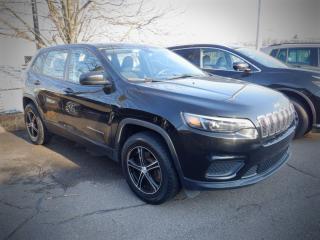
{"x": 209, "y": 162}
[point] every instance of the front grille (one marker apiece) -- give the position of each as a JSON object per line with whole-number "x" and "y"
{"x": 264, "y": 165}
{"x": 270, "y": 162}
{"x": 224, "y": 169}
{"x": 276, "y": 122}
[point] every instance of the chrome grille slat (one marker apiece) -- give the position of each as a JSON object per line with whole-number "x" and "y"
{"x": 276, "y": 122}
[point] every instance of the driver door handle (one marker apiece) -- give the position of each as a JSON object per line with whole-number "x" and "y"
{"x": 68, "y": 91}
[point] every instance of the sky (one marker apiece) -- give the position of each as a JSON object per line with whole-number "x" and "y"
{"x": 235, "y": 21}
{"x": 212, "y": 21}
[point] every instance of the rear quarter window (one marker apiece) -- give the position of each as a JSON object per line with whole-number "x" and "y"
{"x": 274, "y": 52}
{"x": 192, "y": 55}
{"x": 303, "y": 56}
{"x": 38, "y": 63}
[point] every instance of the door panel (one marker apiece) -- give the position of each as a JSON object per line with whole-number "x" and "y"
{"x": 86, "y": 109}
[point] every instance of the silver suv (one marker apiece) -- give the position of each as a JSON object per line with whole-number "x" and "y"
{"x": 304, "y": 55}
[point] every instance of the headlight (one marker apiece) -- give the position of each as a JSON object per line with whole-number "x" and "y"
{"x": 238, "y": 126}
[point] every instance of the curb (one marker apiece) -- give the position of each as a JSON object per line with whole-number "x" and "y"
{"x": 12, "y": 121}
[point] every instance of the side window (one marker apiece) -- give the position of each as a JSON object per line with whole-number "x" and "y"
{"x": 303, "y": 56}
{"x": 38, "y": 63}
{"x": 192, "y": 55}
{"x": 274, "y": 52}
{"x": 128, "y": 63}
{"x": 218, "y": 59}
{"x": 55, "y": 63}
{"x": 282, "y": 55}
{"x": 82, "y": 61}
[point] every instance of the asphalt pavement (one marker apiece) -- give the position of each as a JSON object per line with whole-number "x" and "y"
{"x": 64, "y": 191}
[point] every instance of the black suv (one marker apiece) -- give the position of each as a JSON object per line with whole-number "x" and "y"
{"x": 301, "y": 86}
{"x": 166, "y": 122}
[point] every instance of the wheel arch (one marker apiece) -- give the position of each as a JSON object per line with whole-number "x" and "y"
{"x": 26, "y": 99}
{"x": 141, "y": 125}
{"x": 302, "y": 97}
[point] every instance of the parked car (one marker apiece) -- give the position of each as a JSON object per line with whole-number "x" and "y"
{"x": 303, "y": 55}
{"x": 301, "y": 86}
{"x": 164, "y": 120}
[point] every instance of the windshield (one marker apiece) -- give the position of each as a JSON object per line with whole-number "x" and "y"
{"x": 154, "y": 64}
{"x": 262, "y": 58}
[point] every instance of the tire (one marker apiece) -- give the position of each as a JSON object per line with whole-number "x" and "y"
{"x": 37, "y": 132}
{"x": 164, "y": 183}
{"x": 303, "y": 119}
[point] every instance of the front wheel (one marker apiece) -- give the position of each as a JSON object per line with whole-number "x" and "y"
{"x": 148, "y": 168}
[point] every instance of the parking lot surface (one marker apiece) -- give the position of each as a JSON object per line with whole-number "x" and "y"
{"x": 64, "y": 191}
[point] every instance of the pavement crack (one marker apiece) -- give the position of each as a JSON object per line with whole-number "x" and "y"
{"x": 103, "y": 211}
{"x": 13, "y": 205}
{"x": 303, "y": 172}
{"x": 19, "y": 227}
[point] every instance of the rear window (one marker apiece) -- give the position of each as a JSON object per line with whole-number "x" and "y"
{"x": 303, "y": 56}
{"x": 54, "y": 64}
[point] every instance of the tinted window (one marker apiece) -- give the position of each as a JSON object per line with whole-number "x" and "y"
{"x": 82, "y": 61}
{"x": 55, "y": 63}
{"x": 282, "y": 55}
{"x": 303, "y": 56}
{"x": 38, "y": 63}
{"x": 192, "y": 55}
{"x": 218, "y": 59}
{"x": 274, "y": 52}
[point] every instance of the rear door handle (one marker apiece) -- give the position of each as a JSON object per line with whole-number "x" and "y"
{"x": 37, "y": 82}
{"x": 68, "y": 91}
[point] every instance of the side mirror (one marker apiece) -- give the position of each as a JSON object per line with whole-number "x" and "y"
{"x": 94, "y": 78}
{"x": 241, "y": 67}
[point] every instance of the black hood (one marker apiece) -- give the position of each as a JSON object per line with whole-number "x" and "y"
{"x": 223, "y": 96}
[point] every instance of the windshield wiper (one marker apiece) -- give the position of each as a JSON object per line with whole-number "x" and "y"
{"x": 144, "y": 80}
{"x": 182, "y": 76}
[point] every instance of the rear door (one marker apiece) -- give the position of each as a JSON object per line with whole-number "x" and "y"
{"x": 50, "y": 85}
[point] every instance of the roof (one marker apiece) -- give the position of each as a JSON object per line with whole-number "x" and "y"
{"x": 99, "y": 45}
{"x": 199, "y": 45}
{"x": 296, "y": 44}
{"x": 202, "y": 45}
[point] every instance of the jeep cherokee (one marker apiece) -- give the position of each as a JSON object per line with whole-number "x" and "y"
{"x": 167, "y": 123}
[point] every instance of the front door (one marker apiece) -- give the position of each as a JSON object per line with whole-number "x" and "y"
{"x": 221, "y": 62}
{"x": 87, "y": 110}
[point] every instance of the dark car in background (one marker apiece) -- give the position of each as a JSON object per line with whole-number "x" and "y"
{"x": 165, "y": 121}
{"x": 302, "y": 55}
{"x": 301, "y": 86}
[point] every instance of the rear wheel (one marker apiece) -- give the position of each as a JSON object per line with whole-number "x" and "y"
{"x": 148, "y": 168}
{"x": 37, "y": 132}
{"x": 302, "y": 118}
